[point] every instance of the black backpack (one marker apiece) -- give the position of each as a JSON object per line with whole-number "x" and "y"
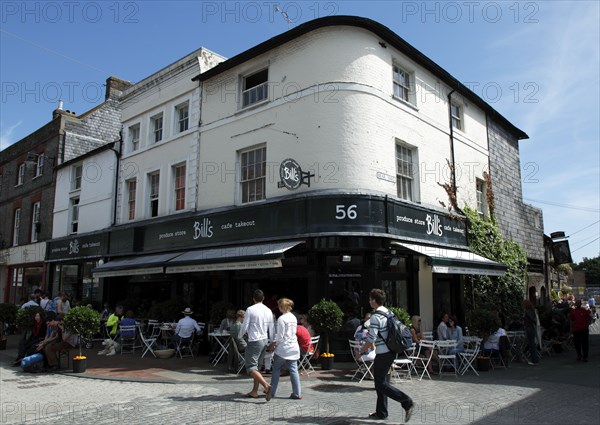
{"x": 399, "y": 337}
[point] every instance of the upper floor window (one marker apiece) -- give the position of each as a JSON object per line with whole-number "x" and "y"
{"x": 402, "y": 83}
{"x": 183, "y": 116}
{"x": 253, "y": 175}
{"x": 74, "y": 215}
{"x": 179, "y": 179}
{"x": 35, "y": 221}
{"x": 481, "y": 201}
{"x": 255, "y": 87}
{"x": 134, "y": 137}
{"x": 131, "y": 194}
{"x": 39, "y": 166}
{"x": 456, "y": 111}
{"x": 405, "y": 167}
{"x": 16, "y": 225}
{"x": 154, "y": 180}
{"x": 76, "y": 173}
{"x": 21, "y": 173}
{"x": 157, "y": 128}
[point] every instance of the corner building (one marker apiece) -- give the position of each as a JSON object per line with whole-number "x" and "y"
{"x": 321, "y": 158}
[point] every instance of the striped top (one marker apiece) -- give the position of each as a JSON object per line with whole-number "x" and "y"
{"x": 378, "y": 331}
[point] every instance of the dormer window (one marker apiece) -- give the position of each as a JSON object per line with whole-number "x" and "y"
{"x": 255, "y": 88}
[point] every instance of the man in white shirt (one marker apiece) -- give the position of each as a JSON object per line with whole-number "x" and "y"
{"x": 31, "y": 302}
{"x": 258, "y": 324}
{"x": 185, "y": 327}
{"x": 442, "y": 329}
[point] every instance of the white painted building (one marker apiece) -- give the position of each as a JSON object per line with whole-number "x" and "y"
{"x": 314, "y": 166}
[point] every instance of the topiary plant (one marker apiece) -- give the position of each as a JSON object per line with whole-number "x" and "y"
{"x": 83, "y": 321}
{"x": 325, "y": 317}
{"x": 8, "y": 315}
{"x": 402, "y": 315}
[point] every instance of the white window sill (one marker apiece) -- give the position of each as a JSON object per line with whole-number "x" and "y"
{"x": 405, "y": 102}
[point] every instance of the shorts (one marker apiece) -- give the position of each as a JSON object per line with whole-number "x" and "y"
{"x": 255, "y": 350}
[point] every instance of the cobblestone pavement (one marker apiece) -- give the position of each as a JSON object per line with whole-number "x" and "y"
{"x": 559, "y": 391}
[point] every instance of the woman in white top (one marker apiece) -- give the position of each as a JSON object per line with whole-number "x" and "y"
{"x": 287, "y": 350}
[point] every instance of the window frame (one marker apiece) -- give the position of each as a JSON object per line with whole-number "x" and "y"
{"x": 248, "y": 179}
{"x": 179, "y": 186}
{"x": 185, "y": 106}
{"x": 480, "y": 197}
{"x": 153, "y": 197}
{"x": 457, "y": 120}
{"x": 39, "y": 166}
{"x": 134, "y": 143}
{"x": 76, "y": 178}
{"x": 408, "y": 176}
{"x": 260, "y": 90}
{"x": 20, "y": 174}
{"x": 131, "y": 199}
{"x": 157, "y": 134}
{"x": 16, "y": 226}
{"x": 74, "y": 203}
{"x": 35, "y": 219}
{"x": 406, "y": 87}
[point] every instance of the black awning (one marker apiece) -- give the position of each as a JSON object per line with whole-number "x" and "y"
{"x": 456, "y": 261}
{"x": 131, "y": 266}
{"x": 238, "y": 257}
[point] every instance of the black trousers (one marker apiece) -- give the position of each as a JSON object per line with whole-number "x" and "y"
{"x": 581, "y": 340}
{"x": 381, "y": 367}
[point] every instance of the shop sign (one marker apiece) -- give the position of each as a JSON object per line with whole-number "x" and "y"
{"x": 291, "y": 175}
{"x": 424, "y": 224}
{"x": 81, "y": 246}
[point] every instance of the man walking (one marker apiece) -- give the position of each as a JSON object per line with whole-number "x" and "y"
{"x": 383, "y": 360}
{"x": 258, "y": 323}
{"x": 580, "y": 322}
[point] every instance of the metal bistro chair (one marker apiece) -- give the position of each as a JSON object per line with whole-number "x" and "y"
{"x": 420, "y": 361}
{"x": 467, "y": 358}
{"x": 306, "y": 358}
{"x": 185, "y": 344}
{"x": 128, "y": 338}
{"x": 447, "y": 359}
{"x": 364, "y": 366}
{"x": 150, "y": 341}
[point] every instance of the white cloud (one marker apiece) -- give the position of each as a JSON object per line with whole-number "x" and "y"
{"x": 7, "y": 135}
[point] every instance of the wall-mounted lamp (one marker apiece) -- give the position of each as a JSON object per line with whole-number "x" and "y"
{"x": 394, "y": 261}
{"x": 346, "y": 258}
{"x": 34, "y": 158}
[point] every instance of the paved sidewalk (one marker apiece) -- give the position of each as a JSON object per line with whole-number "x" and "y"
{"x": 129, "y": 389}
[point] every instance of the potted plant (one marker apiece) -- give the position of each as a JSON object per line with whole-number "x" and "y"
{"x": 484, "y": 363}
{"x": 402, "y": 315}
{"x": 326, "y": 317}
{"x": 85, "y": 322}
{"x": 8, "y": 315}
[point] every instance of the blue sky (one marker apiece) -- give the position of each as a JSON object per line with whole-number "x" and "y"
{"x": 536, "y": 62}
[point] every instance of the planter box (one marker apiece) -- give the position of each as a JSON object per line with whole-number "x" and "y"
{"x": 327, "y": 363}
{"x": 79, "y": 365}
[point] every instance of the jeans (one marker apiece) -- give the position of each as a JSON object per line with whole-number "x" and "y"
{"x": 292, "y": 365}
{"x": 381, "y": 366}
{"x": 581, "y": 340}
{"x": 532, "y": 346}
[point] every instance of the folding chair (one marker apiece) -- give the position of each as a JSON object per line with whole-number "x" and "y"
{"x": 420, "y": 360}
{"x": 185, "y": 344}
{"x": 149, "y": 342}
{"x": 364, "y": 366}
{"x": 467, "y": 358}
{"x": 199, "y": 338}
{"x": 128, "y": 337}
{"x": 152, "y": 324}
{"x": 306, "y": 358}
{"x": 447, "y": 359}
{"x": 404, "y": 365}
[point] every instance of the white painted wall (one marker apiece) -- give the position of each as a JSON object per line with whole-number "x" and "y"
{"x": 95, "y": 196}
{"x": 331, "y": 109}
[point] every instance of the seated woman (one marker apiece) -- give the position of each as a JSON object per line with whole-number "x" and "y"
{"x": 237, "y": 344}
{"x": 228, "y": 321}
{"x": 491, "y": 346}
{"x": 27, "y": 346}
{"x": 455, "y": 332}
{"x": 128, "y": 320}
{"x": 361, "y": 334}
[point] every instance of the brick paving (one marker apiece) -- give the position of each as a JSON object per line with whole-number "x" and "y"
{"x": 128, "y": 389}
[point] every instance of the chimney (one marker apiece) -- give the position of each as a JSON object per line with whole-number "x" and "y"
{"x": 58, "y": 110}
{"x": 115, "y": 86}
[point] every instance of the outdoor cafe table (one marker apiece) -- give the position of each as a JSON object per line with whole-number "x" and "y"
{"x": 166, "y": 330}
{"x": 222, "y": 339}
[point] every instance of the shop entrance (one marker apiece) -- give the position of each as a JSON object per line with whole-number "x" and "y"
{"x": 447, "y": 297}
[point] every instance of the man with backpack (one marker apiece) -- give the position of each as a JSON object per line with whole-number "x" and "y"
{"x": 377, "y": 337}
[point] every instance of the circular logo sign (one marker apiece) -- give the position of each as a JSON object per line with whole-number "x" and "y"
{"x": 290, "y": 174}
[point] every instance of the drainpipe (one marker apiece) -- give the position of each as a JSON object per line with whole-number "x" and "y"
{"x": 452, "y": 140}
{"x": 117, "y": 166}
{"x": 198, "y": 138}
